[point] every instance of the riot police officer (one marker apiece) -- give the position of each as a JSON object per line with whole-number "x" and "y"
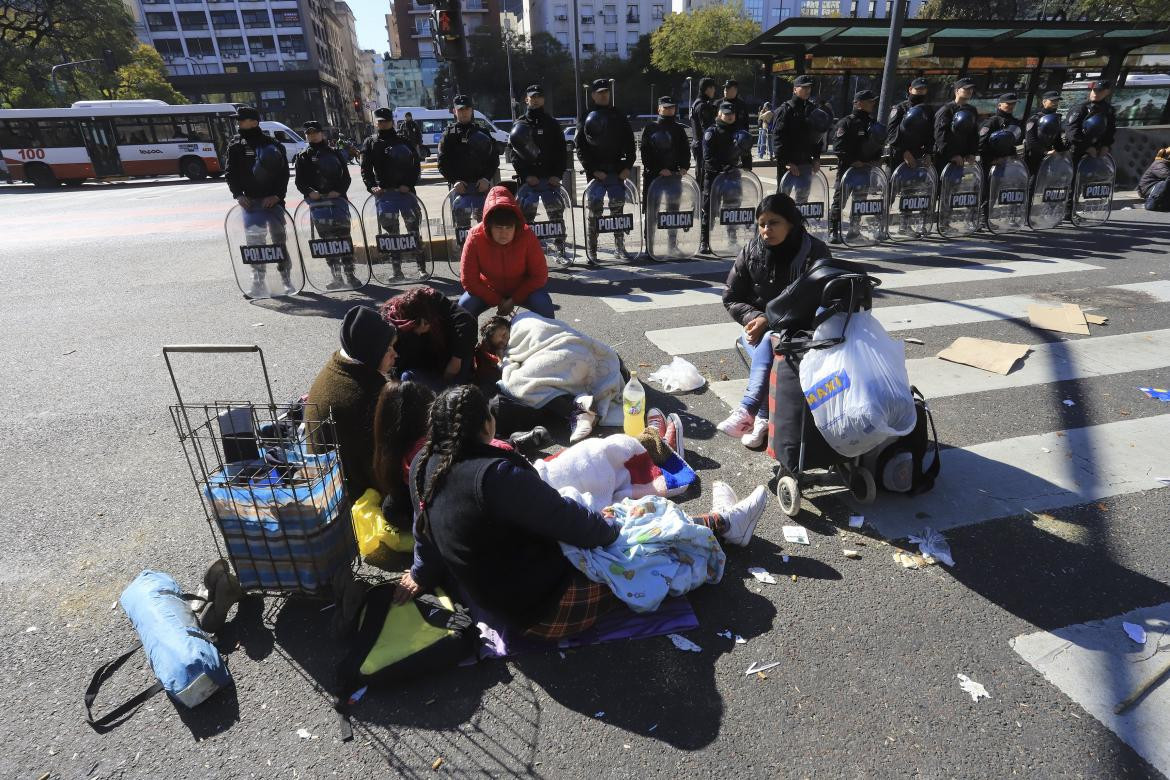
{"x": 540, "y": 157}
{"x": 1092, "y": 124}
{"x": 257, "y": 175}
{"x": 390, "y": 162}
{"x": 994, "y": 144}
{"x": 731, "y": 95}
{"x": 956, "y": 127}
{"x": 605, "y": 148}
{"x": 1042, "y": 133}
{"x": 908, "y": 128}
{"x": 665, "y": 155}
{"x": 469, "y": 162}
{"x": 723, "y": 146}
{"x": 703, "y": 111}
{"x": 799, "y": 129}
{"x": 857, "y": 142}
{"x": 412, "y": 133}
{"x": 322, "y": 176}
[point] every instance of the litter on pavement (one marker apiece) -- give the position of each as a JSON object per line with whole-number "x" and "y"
{"x": 910, "y": 560}
{"x": 682, "y": 643}
{"x": 976, "y": 690}
{"x": 856, "y": 521}
{"x": 739, "y": 640}
{"x": 1157, "y": 393}
{"x": 796, "y": 534}
{"x": 762, "y": 575}
{"x": 680, "y": 376}
{"x": 854, "y": 554}
{"x": 910, "y": 340}
{"x": 1069, "y": 402}
{"x": 1066, "y": 318}
{"x": 932, "y": 543}
{"x": 304, "y": 734}
{"x": 996, "y": 356}
{"x": 1135, "y": 632}
{"x": 755, "y": 668}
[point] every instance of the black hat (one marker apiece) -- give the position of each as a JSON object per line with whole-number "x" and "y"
{"x": 534, "y": 89}
{"x": 311, "y": 126}
{"x": 667, "y": 100}
{"x": 1008, "y": 97}
{"x": 919, "y": 83}
{"x": 1051, "y": 95}
{"x": 383, "y": 113}
{"x": 462, "y": 101}
{"x": 865, "y": 94}
{"x": 964, "y": 82}
{"x": 599, "y": 84}
{"x": 247, "y": 112}
{"x": 730, "y": 83}
{"x": 1101, "y": 84}
{"x": 726, "y": 106}
{"x": 803, "y": 81}
{"x": 365, "y": 336}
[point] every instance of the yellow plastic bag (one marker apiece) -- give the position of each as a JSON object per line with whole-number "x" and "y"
{"x": 372, "y": 530}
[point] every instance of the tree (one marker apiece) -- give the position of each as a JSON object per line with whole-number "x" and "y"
{"x": 146, "y": 77}
{"x": 1118, "y": 10}
{"x": 964, "y": 9}
{"x": 673, "y": 45}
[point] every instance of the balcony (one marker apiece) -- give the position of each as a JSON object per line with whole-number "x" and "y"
{"x": 226, "y": 24}
{"x": 586, "y": 20}
{"x": 589, "y": 47}
{"x": 162, "y": 26}
{"x": 633, "y": 19}
{"x": 562, "y": 17}
{"x": 192, "y": 26}
{"x": 257, "y": 24}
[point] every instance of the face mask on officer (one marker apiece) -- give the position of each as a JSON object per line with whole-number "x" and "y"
{"x": 535, "y": 102}
{"x": 917, "y": 96}
{"x": 727, "y": 117}
{"x": 248, "y": 124}
{"x": 667, "y": 111}
{"x": 314, "y": 136}
{"x": 601, "y": 97}
{"x": 865, "y": 105}
{"x": 1006, "y": 108}
{"x": 463, "y": 115}
{"x": 384, "y": 125}
{"x": 803, "y": 92}
{"x": 1051, "y": 105}
{"x": 730, "y": 92}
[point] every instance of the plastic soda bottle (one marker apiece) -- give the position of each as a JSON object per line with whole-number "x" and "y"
{"x": 634, "y": 406}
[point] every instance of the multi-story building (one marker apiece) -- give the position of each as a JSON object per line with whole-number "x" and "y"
{"x": 769, "y": 13}
{"x": 376, "y": 63}
{"x": 609, "y": 27}
{"x": 286, "y": 57}
{"x": 406, "y": 83}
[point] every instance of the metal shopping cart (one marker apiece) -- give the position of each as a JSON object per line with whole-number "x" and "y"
{"x": 271, "y": 485}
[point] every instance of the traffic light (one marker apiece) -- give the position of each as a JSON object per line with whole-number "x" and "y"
{"x": 447, "y": 28}
{"x": 357, "y": 105}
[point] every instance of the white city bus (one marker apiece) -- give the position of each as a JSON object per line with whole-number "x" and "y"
{"x": 113, "y": 139}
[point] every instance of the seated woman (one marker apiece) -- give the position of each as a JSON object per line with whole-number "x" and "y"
{"x": 486, "y": 519}
{"x": 436, "y": 338}
{"x": 503, "y": 264}
{"x": 771, "y": 261}
{"x": 400, "y": 431}
{"x": 1154, "y": 186}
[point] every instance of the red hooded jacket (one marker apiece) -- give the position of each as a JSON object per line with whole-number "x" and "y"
{"x": 492, "y": 271}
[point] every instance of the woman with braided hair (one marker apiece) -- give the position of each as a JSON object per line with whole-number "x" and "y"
{"x": 487, "y": 520}
{"x": 436, "y": 337}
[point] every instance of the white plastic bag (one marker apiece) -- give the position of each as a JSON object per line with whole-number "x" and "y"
{"x": 680, "y": 376}
{"x": 858, "y": 391}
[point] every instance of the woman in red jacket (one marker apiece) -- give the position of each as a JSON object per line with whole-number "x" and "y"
{"x": 503, "y": 264}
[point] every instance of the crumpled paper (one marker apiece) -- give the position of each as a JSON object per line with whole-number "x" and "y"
{"x": 976, "y": 690}
{"x": 1135, "y": 632}
{"x": 682, "y": 643}
{"x": 933, "y": 544}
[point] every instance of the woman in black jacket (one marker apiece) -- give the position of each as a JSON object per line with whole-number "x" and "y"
{"x": 1154, "y": 186}
{"x": 769, "y": 263}
{"x": 436, "y": 337}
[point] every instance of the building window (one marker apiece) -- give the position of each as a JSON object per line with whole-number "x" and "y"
{"x": 563, "y": 39}
{"x": 261, "y": 45}
{"x": 255, "y": 19}
{"x": 810, "y": 8}
{"x": 200, "y": 47}
{"x": 657, "y": 12}
{"x": 611, "y": 43}
{"x": 609, "y": 14}
{"x": 236, "y": 68}
{"x": 586, "y": 14}
{"x": 561, "y": 13}
{"x": 831, "y": 8}
{"x": 286, "y": 18}
{"x": 426, "y": 49}
{"x": 231, "y": 47}
{"x": 225, "y": 20}
{"x": 632, "y": 14}
{"x": 193, "y": 20}
{"x": 161, "y": 22}
{"x": 631, "y": 40}
{"x": 272, "y": 100}
{"x": 587, "y": 42}
{"x": 293, "y": 44}
{"x": 169, "y": 48}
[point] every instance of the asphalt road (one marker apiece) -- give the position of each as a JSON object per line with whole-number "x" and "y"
{"x": 96, "y": 489}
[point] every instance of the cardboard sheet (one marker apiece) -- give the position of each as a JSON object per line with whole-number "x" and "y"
{"x": 1096, "y": 319}
{"x": 1065, "y": 318}
{"x": 996, "y": 356}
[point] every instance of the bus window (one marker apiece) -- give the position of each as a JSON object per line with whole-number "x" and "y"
{"x": 198, "y": 129}
{"x": 56, "y": 133}
{"x": 16, "y": 134}
{"x": 133, "y": 131}
{"x": 170, "y": 130}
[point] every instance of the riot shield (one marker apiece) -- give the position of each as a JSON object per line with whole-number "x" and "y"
{"x": 911, "y": 209}
{"x": 863, "y": 205}
{"x": 673, "y": 219}
{"x": 544, "y": 209}
{"x": 1093, "y": 190}
{"x": 1007, "y": 196}
{"x": 734, "y": 196}
{"x": 810, "y": 190}
{"x": 1050, "y": 191}
{"x": 460, "y": 214}
{"x": 401, "y": 249}
{"x": 612, "y": 219}
{"x": 332, "y": 243}
{"x": 262, "y": 244}
{"x": 958, "y": 200}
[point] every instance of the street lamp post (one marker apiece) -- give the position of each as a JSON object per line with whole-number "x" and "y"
{"x": 690, "y": 99}
{"x": 576, "y": 63}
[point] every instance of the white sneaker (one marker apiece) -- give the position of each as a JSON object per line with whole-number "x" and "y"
{"x": 737, "y": 423}
{"x": 742, "y": 518}
{"x": 757, "y": 435}
{"x": 583, "y": 422}
{"x": 723, "y": 497}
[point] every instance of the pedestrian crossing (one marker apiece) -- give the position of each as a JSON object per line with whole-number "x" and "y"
{"x": 985, "y": 480}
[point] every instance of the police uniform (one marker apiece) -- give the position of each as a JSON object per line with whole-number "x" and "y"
{"x": 614, "y": 151}
{"x": 898, "y": 142}
{"x": 412, "y": 133}
{"x": 1001, "y": 120}
{"x": 794, "y": 139}
{"x": 850, "y": 139}
{"x": 1035, "y": 149}
{"x": 319, "y": 170}
{"x": 550, "y": 161}
{"x": 389, "y": 161}
{"x": 948, "y": 142}
{"x": 703, "y": 111}
{"x": 1075, "y": 136}
{"x": 741, "y": 119}
{"x": 720, "y": 154}
{"x": 257, "y": 168}
{"x": 664, "y": 146}
{"x": 467, "y": 154}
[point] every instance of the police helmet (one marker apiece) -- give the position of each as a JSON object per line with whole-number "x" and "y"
{"x": 479, "y": 142}
{"x": 522, "y": 141}
{"x": 743, "y": 141}
{"x": 1095, "y": 126}
{"x": 871, "y": 147}
{"x": 400, "y": 154}
{"x": 596, "y": 123}
{"x": 330, "y": 165}
{"x": 1048, "y": 128}
{"x": 269, "y": 161}
{"x": 819, "y": 121}
{"x": 661, "y": 140}
{"x": 916, "y": 123}
{"x": 964, "y": 120}
{"x": 1001, "y": 143}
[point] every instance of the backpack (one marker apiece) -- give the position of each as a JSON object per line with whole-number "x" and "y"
{"x": 901, "y": 464}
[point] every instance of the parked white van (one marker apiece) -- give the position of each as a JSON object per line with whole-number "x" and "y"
{"x": 433, "y": 122}
{"x": 290, "y": 139}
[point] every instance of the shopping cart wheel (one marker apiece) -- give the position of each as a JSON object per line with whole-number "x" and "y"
{"x": 862, "y": 485}
{"x": 788, "y": 491}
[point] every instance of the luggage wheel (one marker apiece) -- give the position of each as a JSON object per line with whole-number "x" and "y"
{"x": 862, "y": 485}
{"x": 788, "y": 492}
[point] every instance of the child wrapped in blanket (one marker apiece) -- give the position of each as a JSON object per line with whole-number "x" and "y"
{"x": 487, "y": 361}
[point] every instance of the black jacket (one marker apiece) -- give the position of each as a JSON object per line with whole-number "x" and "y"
{"x": 495, "y": 527}
{"x": 850, "y": 135}
{"x": 309, "y": 176}
{"x": 617, "y": 150}
{"x": 1074, "y": 133}
{"x": 896, "y": 140}
{"x": 1034, "y": 148}
{"x": 948, "y": 143}
{"x": 411, "y": 131}
{"x": 379, "y": 171}
{"x": 457, "y": 161}
{"x": 792, "y": 134}
{"x": 241, "y": 157}
{"x": 1159, "y": 170}
{"x": 703, "y": 112}
{"x": 998, "y": 121}
{"x": 760, "y": 272}
{"x": 459, "y": 337}
{"x": 719, "y": 150}
{"x": 678, "y": 158}
{"x": 741, "y": 111}
{"x": 550, "y": 140}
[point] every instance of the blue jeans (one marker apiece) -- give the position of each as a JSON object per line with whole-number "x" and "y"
{"x": 538, "y": 301}
{"x": 758, "y": 375}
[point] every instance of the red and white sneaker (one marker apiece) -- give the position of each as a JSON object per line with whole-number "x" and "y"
{"x": 737, "y": 423}
{"x": 675, "y": 438}
{"x": 757, "y": 435}
{"x": 657, "y": 420}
